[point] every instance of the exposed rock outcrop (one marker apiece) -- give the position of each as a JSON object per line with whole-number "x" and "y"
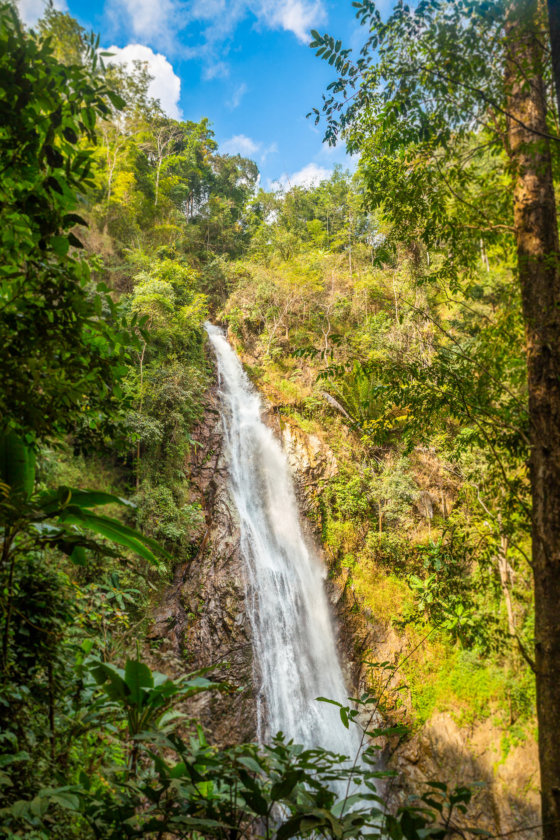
{"x": 311, "y": 461}
{"x": 202, "y": 621}
{"x": 507, "y": 799}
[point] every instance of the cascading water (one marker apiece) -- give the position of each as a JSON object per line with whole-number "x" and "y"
{"x": 293, "y": 637}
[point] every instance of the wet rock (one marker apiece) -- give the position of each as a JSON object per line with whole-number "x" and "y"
{"x": 312, "y": 463}
{"x": 425, "y": 504}
{"x": 201, "y": 621}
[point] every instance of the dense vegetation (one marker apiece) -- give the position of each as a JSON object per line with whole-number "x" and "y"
{"x": 394, "y": 330}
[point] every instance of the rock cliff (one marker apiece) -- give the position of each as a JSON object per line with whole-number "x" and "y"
{"x": 202, "y": 621}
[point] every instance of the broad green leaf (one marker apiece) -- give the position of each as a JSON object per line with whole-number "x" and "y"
{"x": 17, "y": 464}
{"x": 282, "y": 789}
{"x": 137, "y": 677}
{"x": 113, "y": 530}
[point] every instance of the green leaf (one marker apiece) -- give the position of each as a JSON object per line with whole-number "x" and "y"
{"x": 103, "y": 672}
{"x": 250, "y": 763}
{"x": 92, "y": 498}
{"x": 74, "y": 241}
{"x": 70, "y": 135}
{"x": 299, "y": 823}
{"x": 137, "y": 676}
{"x": 60, "y": 245}
{"x": 112, "y": 530}
{"x": 116, "y": 100}
{"x": 66, "y": 800}
{"x": 78, "y": 556}
{"x": 54, "y": 158}
{"x": 282, "y": 789}
{"x": 178, "y": 770}
{"x": 256, "y": 801}
{"x": 74, "y": 219}
{"x": 17, "y": 464}
{"x": 53, "y": 184}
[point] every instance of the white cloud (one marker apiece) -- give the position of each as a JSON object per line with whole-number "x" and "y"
{"x": 245, "y": 146}
{"x": 154, "y": 21}
{"x": 31, "y": 10}
{"x": 213, "y": 70}
{"x": 240, "y": 145}
{"x": 158, "y": 22}
{"x": 165, "y": 85}
{"x": 237, "y": 96}
{"x": 297, "y": 16}
{"x": 309, "y": 176}
{"x": 268, "y": 150}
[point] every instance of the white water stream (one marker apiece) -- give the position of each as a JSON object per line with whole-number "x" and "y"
{"x": 293, "y": 637}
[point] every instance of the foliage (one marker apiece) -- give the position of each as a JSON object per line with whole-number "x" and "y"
{"x": 164, "y": 783}
{"x": 420, "y": 392}
{"x": 424, "y": 105}
{"x": 62, "y": 356}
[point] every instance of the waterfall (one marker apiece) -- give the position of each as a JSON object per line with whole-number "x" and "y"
{"x": 293, "y": 636}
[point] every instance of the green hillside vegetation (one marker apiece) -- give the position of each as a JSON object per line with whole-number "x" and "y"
{"x": 401, "y": 347}
{"x": 420, "y": 394}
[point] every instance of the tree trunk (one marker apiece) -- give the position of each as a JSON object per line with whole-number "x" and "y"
{"x": 350, "y": 244}
{"x": 536, "y": 234}
{"x": 158, "y": 169}
{"x": 504, "y": 571}
{"x": 554, "y": 28}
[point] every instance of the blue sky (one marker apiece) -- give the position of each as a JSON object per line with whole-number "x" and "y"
{"x": 244, "y": 64}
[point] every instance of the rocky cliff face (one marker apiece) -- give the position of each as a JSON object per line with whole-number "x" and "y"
{"x": 313, "y": 464}
{"x": 202, "y": 620}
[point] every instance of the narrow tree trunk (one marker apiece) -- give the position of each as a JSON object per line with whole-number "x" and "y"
{"x": 554, "y": 28}
{"x": 52, "y": 734}
{"x": 350, "y": 244}
{"x": 8, "y": 593}
{"x": 158, "y": 171}
{"x": 141, "y": 405}
{"x": 536, "y": 233}
{"x": 504, "y": 571}
{"x": 484, "y": 256}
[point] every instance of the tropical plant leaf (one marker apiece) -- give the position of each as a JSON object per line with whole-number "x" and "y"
{"x": 137, "y": 676}
{"x": 17, "y": 464}
{"x": 115, "y": 531}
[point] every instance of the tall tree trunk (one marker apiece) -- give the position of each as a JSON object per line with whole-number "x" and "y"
{"x": 158, "y": 170}
{"x": 505, "y": 573}
{"x": 554, "y": 28}
{"x": 536, "y": 233}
